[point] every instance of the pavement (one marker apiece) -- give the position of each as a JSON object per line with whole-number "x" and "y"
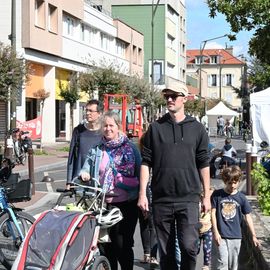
{"x": 47, "y": 157}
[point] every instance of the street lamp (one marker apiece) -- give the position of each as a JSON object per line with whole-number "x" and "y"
{"x": 154, "y": 9}
{"x": 202, "y": 46}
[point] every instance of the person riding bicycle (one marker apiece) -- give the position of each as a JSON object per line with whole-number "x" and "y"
{"x": 228, "y": 154}
{"x": 228, "y": 129}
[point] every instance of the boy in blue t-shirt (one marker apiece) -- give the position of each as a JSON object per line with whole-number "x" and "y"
{"x": 229, "y": 206}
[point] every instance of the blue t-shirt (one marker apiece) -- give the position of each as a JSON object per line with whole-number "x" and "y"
{"x": 229, "y": 212}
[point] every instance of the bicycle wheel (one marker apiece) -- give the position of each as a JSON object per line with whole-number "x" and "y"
{"x": 10, "y": 242}
{"x": 100, "y": 263}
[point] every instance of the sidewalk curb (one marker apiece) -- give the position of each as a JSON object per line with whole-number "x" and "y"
{"x": 39, "y": 203}
{"x": 43, "y": 168}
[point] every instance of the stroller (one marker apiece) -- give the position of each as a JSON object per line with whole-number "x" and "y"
{"x": 68, "y": 237}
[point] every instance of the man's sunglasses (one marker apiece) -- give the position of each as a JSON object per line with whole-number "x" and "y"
{"x": 173, "y": 96}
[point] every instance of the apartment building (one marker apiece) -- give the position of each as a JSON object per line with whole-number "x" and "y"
{"x": 58, "y": 37}
{"x": 221, "y": 72}
{"x": 164, "y": 30}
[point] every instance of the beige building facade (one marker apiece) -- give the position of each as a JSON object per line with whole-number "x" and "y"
{"x": 58, "y": 37}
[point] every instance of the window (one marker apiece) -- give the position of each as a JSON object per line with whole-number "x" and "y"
{"x": 120, "y": 48}
{"x": 53, "y": 20}
{"x": 104, "y": 41}
{"x": 214, "y": 59}
{"x": 82, "y": 32}
{"x": 140, "y": 58}
{"x": 158, "y": 78}
{"x": 69, "y": 25}
{"x": 170, "y": 41}
{"x": 212, "y": 80}
{"x": 197, "y": 59}
{"x": 228, "y": 79}
{"x": 92, "y": 36}
{"x": 134, "y": 54}
{"x": 40, "y": 13}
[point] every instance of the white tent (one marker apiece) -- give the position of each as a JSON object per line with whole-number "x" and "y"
{"x": 219, "y": 109}
{"x": 260, "y": 112}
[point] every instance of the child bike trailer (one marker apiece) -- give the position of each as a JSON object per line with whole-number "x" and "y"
{"x": 61, "y": 240}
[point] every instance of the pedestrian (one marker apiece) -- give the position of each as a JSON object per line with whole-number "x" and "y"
{"x": 228, "y": 129}
{"x": 221, "y": 125}
{"x": 229, "y": 207}
{"x": 115, "y": 163}
{"x": 176, "y": 148}
{"x": 84, "y": 137}
{"x": 218, "y": 126}
{"x": 228, "y": 154}
{"x": 147, "y": 229}
{"x": 206, "y": 237}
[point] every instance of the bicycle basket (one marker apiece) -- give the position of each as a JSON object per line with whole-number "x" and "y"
{"x": 21, "y": 193}
{"x": 11, "y": 183}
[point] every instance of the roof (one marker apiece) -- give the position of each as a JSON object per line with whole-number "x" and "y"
{"x": 192, "y": 90}
{"x": 226, "y": 57}
{"x": 221, "y": 109}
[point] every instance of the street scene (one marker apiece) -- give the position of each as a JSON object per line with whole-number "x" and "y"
{"x": 54, "y": 168}
{"x": 146, "y": 121}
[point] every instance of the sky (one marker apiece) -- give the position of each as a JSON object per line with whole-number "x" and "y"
{"x": 201, "y": 27}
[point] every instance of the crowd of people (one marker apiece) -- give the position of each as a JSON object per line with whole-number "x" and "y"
{"x": 165, "y": 185}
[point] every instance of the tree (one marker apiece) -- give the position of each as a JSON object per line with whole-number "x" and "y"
{"x": 41, "y": 94}
{"x": 247, "y": 15}
{"x": 107, "y": 80}
{"x": 13, "y": 72}
{"x": 110, "y": 80}
{"x": 70, "y": 93}
{"x": 258, "y": 75}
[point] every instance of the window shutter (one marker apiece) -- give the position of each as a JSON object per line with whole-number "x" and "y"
{"x": 209, "y": 79}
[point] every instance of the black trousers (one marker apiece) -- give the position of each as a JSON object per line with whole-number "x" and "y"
{"x": 121, "y": 247}
{"x": 148, "y": 234}
{"x": 186, "y": 217}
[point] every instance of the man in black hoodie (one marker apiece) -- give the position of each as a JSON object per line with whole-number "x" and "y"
{"x": 176, "y": 148}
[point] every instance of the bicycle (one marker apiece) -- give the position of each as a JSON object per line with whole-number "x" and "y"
{"x": 20, "y": 143}
{"x": 92, "y": 198}
{"x": 14, "y": 223}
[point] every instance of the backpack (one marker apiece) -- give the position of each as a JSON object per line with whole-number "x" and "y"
{"x": 58, "y": 240}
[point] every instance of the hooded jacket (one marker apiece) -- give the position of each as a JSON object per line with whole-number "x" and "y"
{"x": 176, "y": 152}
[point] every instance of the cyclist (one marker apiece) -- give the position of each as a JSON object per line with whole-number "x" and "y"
{"x": 228, "y": 154}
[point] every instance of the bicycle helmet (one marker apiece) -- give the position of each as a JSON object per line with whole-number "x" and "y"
{"x": 264, "y": 144}
{"x": 109, "y": 217}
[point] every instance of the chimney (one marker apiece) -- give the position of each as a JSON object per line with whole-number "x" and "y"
{"x": 229, "y": 49}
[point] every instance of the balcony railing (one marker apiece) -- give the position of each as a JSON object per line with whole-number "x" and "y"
{"x": 97, "y": 6}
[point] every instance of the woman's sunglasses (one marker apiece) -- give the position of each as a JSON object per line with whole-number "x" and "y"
{"x": 173, "y": 96}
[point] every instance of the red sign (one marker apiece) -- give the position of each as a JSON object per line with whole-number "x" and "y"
{"x": 33, "y": 126}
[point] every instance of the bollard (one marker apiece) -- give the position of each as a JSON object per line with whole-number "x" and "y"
{"x": 254, "y": 158}
{"x": 31, "y": 169}
{"x": 248, "y": 168}
{"x": 9, "y": 149}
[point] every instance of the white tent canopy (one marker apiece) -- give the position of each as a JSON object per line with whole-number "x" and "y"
{"x": 218, "y": 110}
{"x": 260, "y": 112}
{"x": 221, "y": 109}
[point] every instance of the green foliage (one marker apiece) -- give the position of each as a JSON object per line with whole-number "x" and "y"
{"x": 261, "y": 180}
{"x": 12, "y": 73}
{"x": 195, "y": 107}
{"x": 110, "y": 80}
{"x": 70, "y": 93}
{"x": 40, "y": 152}
{"x": 107, "y": 80}
{"x": 259, "y": 74}
{"x": 247, "y": 15}
{"x": 63, "y": 149}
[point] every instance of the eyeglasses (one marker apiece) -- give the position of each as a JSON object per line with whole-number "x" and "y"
{"x": 173, "y": 96}
{"x": 89, "y": 110}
